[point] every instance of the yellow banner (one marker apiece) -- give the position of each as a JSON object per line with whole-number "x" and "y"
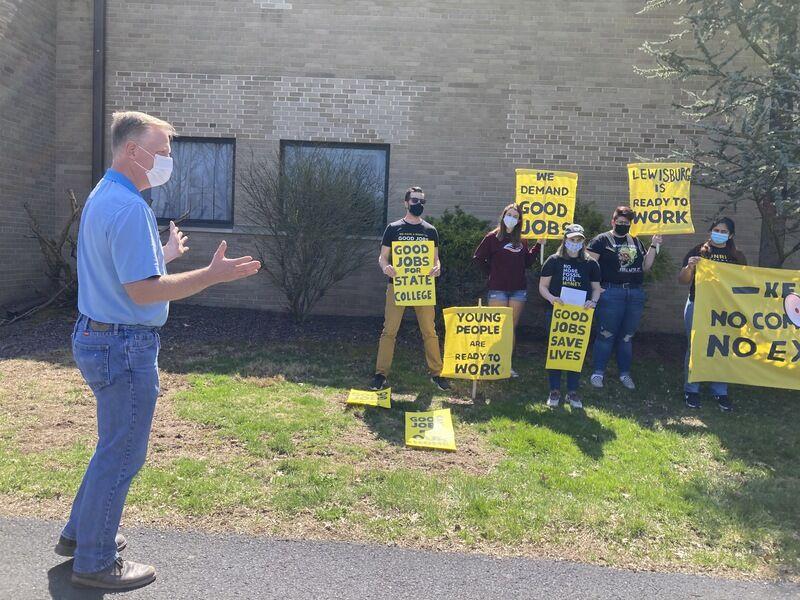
{"x": 660, "y": 198}
{"x": 569, "y": 337}
{"x": 431, "y": 429}
{"x": 478, "y": 342}
{"x": 547, "y": 202}
{"x": 746, "y": 326}
{"x": 381, "y": 398}
{"x": 413, "y": 261}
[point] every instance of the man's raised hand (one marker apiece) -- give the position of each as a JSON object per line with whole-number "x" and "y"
{"x": 176, "y": 245}
{"x": 224, "y": 269}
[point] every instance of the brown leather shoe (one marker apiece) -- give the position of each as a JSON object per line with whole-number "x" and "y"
{"x": 66, "y": 546}
{"x": 121, "y": 575}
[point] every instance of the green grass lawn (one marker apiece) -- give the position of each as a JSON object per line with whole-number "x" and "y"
{"x": 635, "y": 479}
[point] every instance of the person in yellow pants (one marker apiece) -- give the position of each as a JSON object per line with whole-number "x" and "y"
{"x": 410, "y": 228}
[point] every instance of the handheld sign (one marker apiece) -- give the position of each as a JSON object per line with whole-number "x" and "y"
{"x": 660, "y": 198}
{"x": 746, "y": 325}
{"x": 478, "y": 342}
{"x": 381, "y": 398}
{"x": 547, "y": 202}
{"x": 431, "y": 429}
{"x": 569, "y": 337}
{"x": 413, "y": 261}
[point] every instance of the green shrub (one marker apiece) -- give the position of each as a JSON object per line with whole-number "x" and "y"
{"x": 461, "y": 283}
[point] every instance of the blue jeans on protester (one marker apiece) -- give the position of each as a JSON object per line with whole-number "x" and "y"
{"x": 554, "y": 375}
{"x": 121, "y": 367}
{"x": 717, "y": 389}
{"x": 617, "y": 316}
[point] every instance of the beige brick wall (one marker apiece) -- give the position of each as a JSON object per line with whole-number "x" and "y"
{"x": 464, "y": 91}
{"x": 27, "y": 122}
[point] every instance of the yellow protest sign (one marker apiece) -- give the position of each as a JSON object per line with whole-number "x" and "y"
{"x": 382, "y": 398}
{"x": 413, "y": 261}
{"x": 478, "y": 342}
{"x": 546, "y": 200}
{"x": 431, "y": 429}
{"x": 659, "y": 197}
{"x": 746, "y": 326}
{"x": 569, "y": 337}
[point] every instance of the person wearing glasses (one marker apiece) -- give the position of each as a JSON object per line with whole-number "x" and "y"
{"x": 623, "y": 263}
{"x": 411, "y": 228}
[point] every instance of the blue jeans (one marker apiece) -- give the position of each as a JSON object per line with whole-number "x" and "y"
{"x": 717, "y": 389}
{"x": 554, "y": 375}
{"x": 617, "y": 316}
{"x": 121, "y": 368}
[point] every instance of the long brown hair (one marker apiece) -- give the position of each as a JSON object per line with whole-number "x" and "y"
{"x": 730, "y": 245}
{"x": 500, "y": 230}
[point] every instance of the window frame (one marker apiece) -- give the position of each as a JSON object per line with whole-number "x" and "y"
{"x": 346, "y": 146}
{"x": 206, "y": 223}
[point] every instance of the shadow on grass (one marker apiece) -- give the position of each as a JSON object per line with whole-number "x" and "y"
{"x": 389, "y": 425}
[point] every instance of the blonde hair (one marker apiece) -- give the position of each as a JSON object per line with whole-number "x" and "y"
{"x": 132, "y": 124}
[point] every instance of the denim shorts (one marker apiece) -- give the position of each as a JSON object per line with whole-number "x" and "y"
{"x": 517, "y": 295}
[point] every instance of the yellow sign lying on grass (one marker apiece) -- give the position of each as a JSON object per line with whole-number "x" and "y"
{"x": 478, "y": 342}
{"x": 659, "y": 197}
{"x": 746, "y": 326}
{"x": 413, "y": 285}
{"x": 431, "y": 429}
{"x": 569, "y": 337}
{"x": 382, "y": 398}
{"x": 546, "y": 200}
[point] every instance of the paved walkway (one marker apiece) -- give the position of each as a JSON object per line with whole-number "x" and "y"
{"x": 219, "y": 567}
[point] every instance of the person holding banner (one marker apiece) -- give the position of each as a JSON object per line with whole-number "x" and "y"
{"x": 623, "y": 263}
{"x": 571, "y": 268}
{"x": 719, "y": 247}
{"x": 504, "y": 256}
{"x": 411, "y": 228}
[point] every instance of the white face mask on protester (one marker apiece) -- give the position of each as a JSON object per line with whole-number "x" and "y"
{"x": 161, "y": 171}
{"x": 573, "y": 247}
{"x": 510, "y": 222}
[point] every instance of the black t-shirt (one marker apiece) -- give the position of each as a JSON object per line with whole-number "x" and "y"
{"x": 716, "y": 254}
{"x": 621, "y": 258}
{"x": 570, "y": 272}
{"x": 400, "y": 231}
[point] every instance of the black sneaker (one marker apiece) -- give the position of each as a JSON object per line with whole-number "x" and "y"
{"x": 724, "y": 403}
{"x": 692, "y": 399}
{"x": 440, "y": 382}
{"x": 378, "y": 382}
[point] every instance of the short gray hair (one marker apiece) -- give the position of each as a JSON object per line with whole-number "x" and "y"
{"x": 131, "y": 124}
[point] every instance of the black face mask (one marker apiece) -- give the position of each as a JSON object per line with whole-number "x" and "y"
{"x": 416, "y": 209}
{"x": 622, "y": 230}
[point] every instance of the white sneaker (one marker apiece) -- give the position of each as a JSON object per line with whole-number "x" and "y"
{"x": 627, "y": 381}
{"x": 574, "y": 400}
{"x": 554, "y": 399}
{"x": 514, "y": 374}
{"x": 597, "y": 380}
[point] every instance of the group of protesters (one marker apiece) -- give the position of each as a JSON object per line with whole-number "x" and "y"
{"x": 124, "y": 291}
{"x": 608, "y": 270}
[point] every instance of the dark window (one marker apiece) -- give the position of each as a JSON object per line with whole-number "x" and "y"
{"x": 201, "y": 186}
{"x": 375, "y": 156}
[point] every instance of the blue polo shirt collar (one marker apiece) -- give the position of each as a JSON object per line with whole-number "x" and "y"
{"x": 117, "y": 177}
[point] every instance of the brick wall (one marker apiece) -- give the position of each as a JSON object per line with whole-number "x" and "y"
{"x": 27, "y": 120}
{"x": 463, "y": 91}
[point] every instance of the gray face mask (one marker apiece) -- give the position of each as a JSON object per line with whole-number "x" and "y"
{"x": 573, "y": 247}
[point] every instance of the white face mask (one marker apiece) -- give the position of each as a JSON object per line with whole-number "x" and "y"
{"x": 161, "y": 171}
{"x": 510, "y": 222}
{"x": 573, "y": 247}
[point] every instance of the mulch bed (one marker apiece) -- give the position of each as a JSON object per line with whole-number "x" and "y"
{"x": 200, "y": 325}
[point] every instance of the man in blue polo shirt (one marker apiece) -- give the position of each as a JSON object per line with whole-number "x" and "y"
{"x": 123, "y": 299}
